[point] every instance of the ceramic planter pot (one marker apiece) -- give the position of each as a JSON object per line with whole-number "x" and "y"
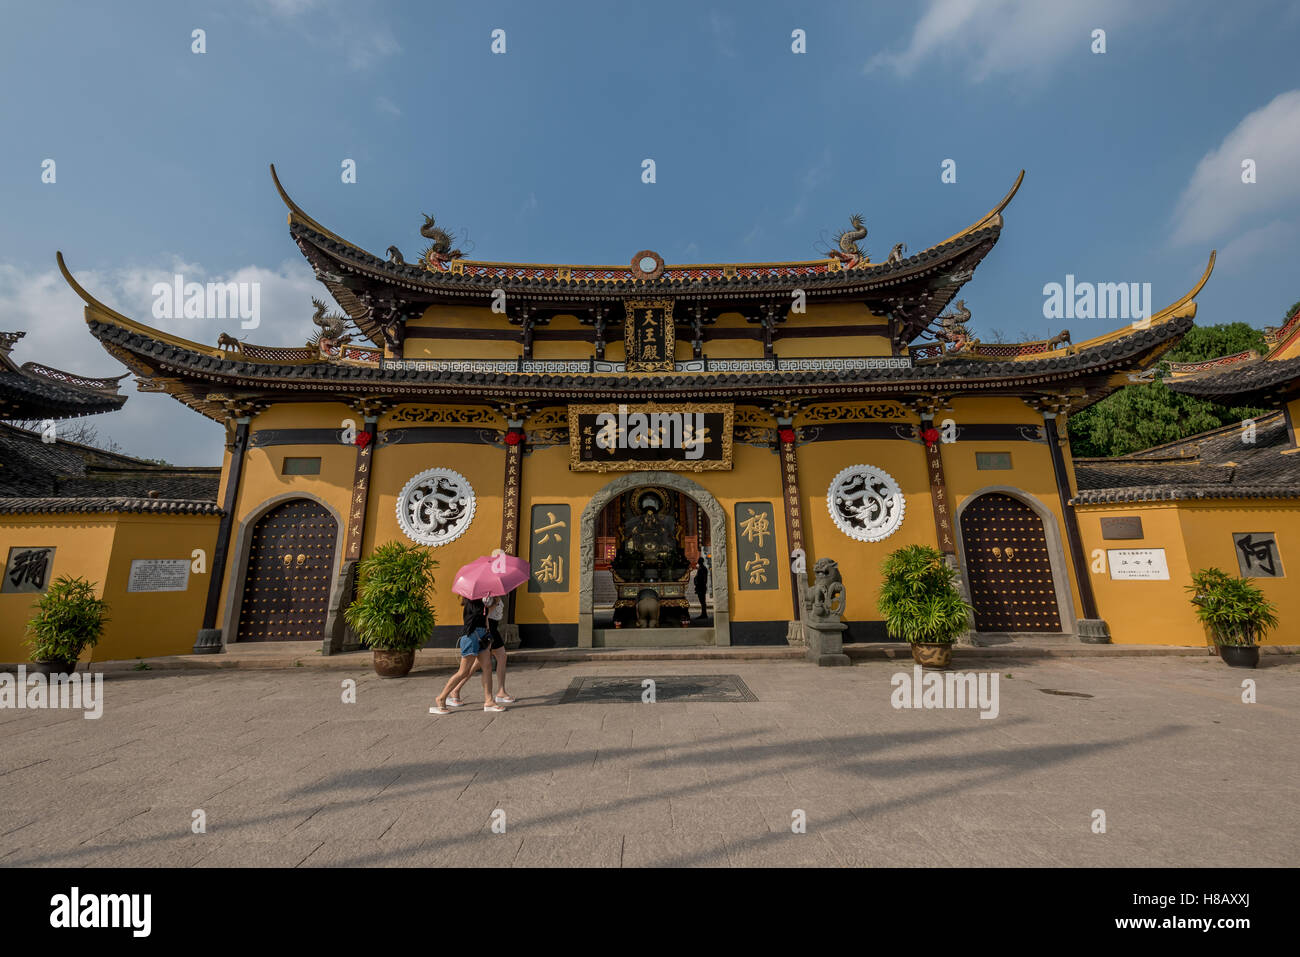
{"x": 932, "y": 654}
{"x": 1240, "y": 656}
{"x": 54, "y": 666}
{"x": 393, "y": 664}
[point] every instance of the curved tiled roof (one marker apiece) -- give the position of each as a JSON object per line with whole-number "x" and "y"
{"x": 35, "y": 391}
{"x": 934, "y": 274}
{"x": 1240, "y": 380}
{"x": 150, "y": 357}
{"x": 1224, "y": 463}
{"x": 56, "y": 505}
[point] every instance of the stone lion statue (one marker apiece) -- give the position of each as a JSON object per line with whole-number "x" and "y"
{"x": 825, "y": 598}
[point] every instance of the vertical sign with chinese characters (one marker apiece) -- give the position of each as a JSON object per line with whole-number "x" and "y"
{"x": 649, "y": 335}
{"x": 790, "y": 496}
{"x": 757, "y": 564}
{"x": 938, "y": 489}
{"x": 360, "y": 492}
{"x": 513, "y": 475}
{"x": 548, "y": 548}
{"x": 28, "y": 570}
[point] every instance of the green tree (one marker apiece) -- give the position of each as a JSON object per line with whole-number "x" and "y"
{"x": 1138, "y": 417}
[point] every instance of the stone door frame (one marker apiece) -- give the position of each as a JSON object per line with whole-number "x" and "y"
{"x": 719, "y": 577}
{"x": 1055, "y": 552}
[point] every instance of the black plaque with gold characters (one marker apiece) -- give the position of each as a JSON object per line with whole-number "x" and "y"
{"x": 689, "y": 437}
{"x": 757, "y": 567}
{"x": 548, "y": 548}
{"x": 649, "y": 336}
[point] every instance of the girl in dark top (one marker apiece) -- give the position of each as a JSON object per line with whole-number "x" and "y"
{"x": 475, "y": 646}
{"x": 495, "y": 608}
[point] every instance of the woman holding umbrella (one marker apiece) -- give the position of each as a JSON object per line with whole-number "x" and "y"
{"x": 474, "y": 650}
{"x": 482, "y": 584}
{"x": 495, "y": 608}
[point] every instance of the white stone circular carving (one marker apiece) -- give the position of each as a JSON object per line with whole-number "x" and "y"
{"x": 435, "y": 507}
{"x": 866, "y": 503}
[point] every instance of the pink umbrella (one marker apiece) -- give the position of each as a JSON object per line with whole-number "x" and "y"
{"x": 491, "y": 575}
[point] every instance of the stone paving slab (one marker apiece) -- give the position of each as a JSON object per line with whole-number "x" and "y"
{"x": 289, "y": 775}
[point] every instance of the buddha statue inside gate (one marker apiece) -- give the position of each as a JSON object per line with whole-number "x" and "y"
{"x": 649, "y": 550}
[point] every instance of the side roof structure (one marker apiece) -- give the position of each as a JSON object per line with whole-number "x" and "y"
{"x": 35, "y": 391}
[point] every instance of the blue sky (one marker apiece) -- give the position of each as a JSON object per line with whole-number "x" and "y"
{"x": 1132, "y": 157}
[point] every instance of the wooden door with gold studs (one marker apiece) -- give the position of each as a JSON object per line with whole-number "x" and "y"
{"x": 1008, "y": 567}
{"x": 290, "y": 569}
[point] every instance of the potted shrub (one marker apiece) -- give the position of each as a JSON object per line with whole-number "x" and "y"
{"x": 1234, "y": 612}
{"x": 392, "y": 614}
{"x": 922, "y": 605}
{"x": 69, "y": 619}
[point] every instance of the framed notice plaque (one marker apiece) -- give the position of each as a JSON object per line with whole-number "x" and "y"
{"x": 1138, "y": 564}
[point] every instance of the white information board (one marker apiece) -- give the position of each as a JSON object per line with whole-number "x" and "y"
{"x": 1138, "y": 564}
{"x": 159, "y": 574}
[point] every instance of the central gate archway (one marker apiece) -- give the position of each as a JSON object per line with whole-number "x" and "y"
{"x": 718, "y": 576}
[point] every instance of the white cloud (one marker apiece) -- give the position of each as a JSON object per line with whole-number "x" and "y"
{"x": 385, "y": 105}
{"x": 1006, "y": 36}
{"x": 1252, "y": 246}
{"x": 342, "y": 27}
{"x": 151, "y": 425}
{"x": 1216, "y": 201}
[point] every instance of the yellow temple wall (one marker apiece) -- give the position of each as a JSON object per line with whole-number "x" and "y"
{"x": 860, "y": 562}
{"x": 263, "y": 478}
{"x": 100, "y": 548}
{"x": 482, "y": 465}
{"x": 1194, "y": 535}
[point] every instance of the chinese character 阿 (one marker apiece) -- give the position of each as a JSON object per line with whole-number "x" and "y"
{"x": 1260, "y": 552}
{"x": 756, "y": 569}
{"x": 550, "y": 517}
{"x": 31, "y": 567}
{"x": 756, "y": 526}
{"x": 551, "y": 570}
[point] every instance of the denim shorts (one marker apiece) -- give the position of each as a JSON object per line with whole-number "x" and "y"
{"x": 471, "y": 644}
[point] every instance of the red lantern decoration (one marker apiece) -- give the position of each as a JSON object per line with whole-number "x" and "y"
{"x": 786, "y": 436}
{"x": 363, "y": 439}
{"x": 931, "y": 436}
{"x": 514, "y": 438}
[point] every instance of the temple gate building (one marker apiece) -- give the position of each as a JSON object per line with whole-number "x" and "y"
{"x": 614, "y": 424}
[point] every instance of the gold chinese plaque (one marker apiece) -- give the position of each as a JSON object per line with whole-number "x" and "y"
{"x": 690, "y": 437}
{"x": 649, "y": 336}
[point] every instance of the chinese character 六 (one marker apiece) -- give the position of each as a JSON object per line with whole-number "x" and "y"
{"x": 550, "y": 517}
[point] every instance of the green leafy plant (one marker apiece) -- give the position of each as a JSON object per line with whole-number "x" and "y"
{"x": 1235, "y": 611}
{"x": 392, "y": 610}
{"x": 919, "y": 597}
{"x": 69, "y": 618}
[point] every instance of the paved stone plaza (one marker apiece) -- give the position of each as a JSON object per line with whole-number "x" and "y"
{"x": 289, "y": 775}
